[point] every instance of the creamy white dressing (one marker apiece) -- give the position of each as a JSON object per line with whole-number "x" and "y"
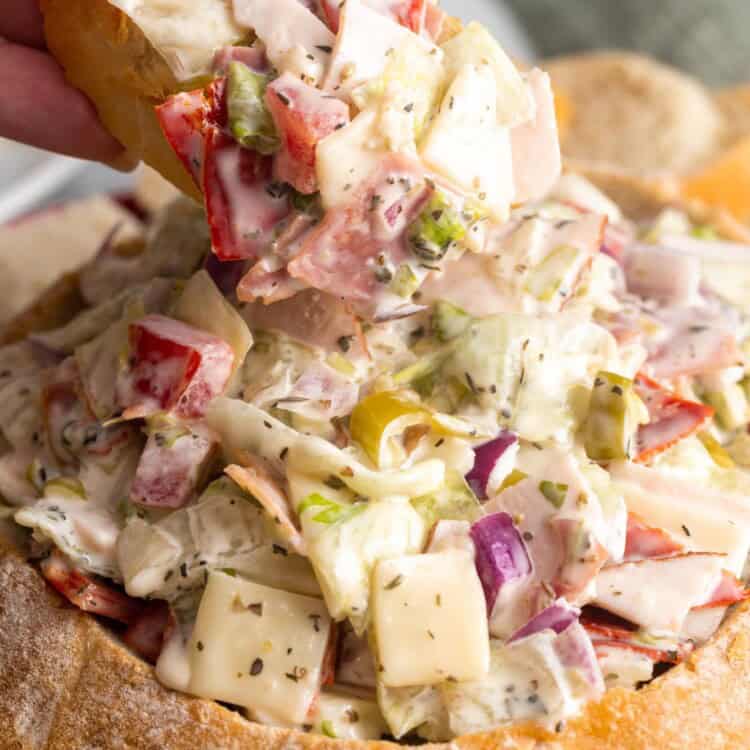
{"x": 186, "y": 32}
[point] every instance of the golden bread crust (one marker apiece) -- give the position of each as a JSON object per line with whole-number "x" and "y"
{"x": 107, "y": 56}
{"x": 631, "y": 112}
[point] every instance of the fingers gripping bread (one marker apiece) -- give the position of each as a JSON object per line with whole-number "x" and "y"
{"x": 107, "y": 56}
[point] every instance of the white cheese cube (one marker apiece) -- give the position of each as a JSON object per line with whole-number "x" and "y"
{"x": 364, "y": 43}
{"x": 430, "y": 619}
{"x": 476, "y": 46}
{"x": 466, "y": 145}
{"x": 258, "y": 647}
{"x": 346, "y": 158}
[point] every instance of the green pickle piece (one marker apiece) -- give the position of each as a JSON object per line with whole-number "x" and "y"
{"x": 546, "y": 280}
{"x": 611, "y": 422}
{"x": 554, "y": 492}
{"x": 404, "y": 283}
{"x": 436, "y": 229}
{"x": 449, "y": 321}
{"x": 249, "y": 119}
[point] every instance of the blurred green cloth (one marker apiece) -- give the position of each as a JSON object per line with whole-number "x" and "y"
{"x": 708, "y": 38}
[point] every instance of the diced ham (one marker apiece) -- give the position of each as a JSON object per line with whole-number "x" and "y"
{"x": 644, "y": 541}
{"x": 434, "y": 21}
{"x": 537, "y": 162}
{"x": 268, "y": 279}
{"x": 254, "y": 57}
{"x": 303, "y": 116}
{"x": 243, "y": 205}
{"x": 183, "y": 119}
{"x": 311, "y": 318}
{"x": 645, "y": 274}
{"x": 583, "y": 557}
{"x": 695, "y": 350}
{"x": 87, "y": 593}
{"x": 172, "y": 367}
{"x": 657, "y": 594}
{"x": 171, "y": 467}
{"x": 330, "y": 658}
{"x": 609, "y": 631}
{"x": 356, "y": 665}
{"x": 146, "y": 633}
{"x": 671, "y": 419}
{"x": 320, "y": 393}
{"x": 353, "y": 253}
{"x": 255, "y": 478}
{"x": 729, "y": 590}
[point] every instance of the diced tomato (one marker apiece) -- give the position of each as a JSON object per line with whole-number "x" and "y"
{"x": 303, "y": 116}
{"x": 171, "y": 467}
{"x": 354, "y": 251}
{"x": 672, "y": 419}
{"x": 146, "y": 633}
{"x": 88, "y": 593}
{"x": 243, "y": 205}
{"x": 331, "y": 11}
{"x": 172, "y": 367}
{"x": 729, "y": 590}
{"x": 183, "y": 120}
{"x": 644, "y": 541}
{"x": 410, "y": 13}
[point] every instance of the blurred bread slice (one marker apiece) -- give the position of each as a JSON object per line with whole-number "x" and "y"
{"x": 734, "y": 104}
{"x": 37, "y": 250}
{"x": 153, "y": 192}
{"x": 631, "y": 112}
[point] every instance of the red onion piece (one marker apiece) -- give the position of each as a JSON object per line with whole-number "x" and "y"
{"x": 225, "y": 273}
{"x": 486, "y": 457}
{"x": 501, "y": 554}
{"x": 558, "y": 617}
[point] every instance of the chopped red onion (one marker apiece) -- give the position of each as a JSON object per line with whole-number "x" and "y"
{"x": 558, "y": 616}
{"x": 486, "y": 457}
{"x": 574, "y": 649}
{"x": 501, "y": 554}
{"x": 225, "y": 273}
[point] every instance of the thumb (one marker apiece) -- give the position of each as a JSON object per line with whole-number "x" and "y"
{"x": 40, "y": 108}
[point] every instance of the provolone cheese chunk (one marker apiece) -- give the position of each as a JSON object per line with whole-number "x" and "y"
{"x": 258, "y": 647}
{"x": 365, "y": 40}
{"x": 466, "y": 145}
{"x": 430, "y": 619}
{"x": 346, "y": 158}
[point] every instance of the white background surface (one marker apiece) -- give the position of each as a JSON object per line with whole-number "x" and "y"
{"x": 32, "y": 179}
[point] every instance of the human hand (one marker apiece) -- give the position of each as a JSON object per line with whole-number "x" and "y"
{"x": 37, "y": 105}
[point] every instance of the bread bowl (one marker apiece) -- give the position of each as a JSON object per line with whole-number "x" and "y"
{"x": 108, "y": 674}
